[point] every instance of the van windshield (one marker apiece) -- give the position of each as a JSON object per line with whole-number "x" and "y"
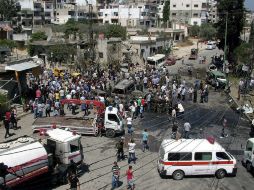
{"x": 150, "y": 62}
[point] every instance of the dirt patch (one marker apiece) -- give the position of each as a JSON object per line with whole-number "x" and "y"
{"x": 185, "y": 43}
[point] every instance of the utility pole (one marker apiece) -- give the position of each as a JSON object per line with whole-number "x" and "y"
{"x": 225, "y": 43}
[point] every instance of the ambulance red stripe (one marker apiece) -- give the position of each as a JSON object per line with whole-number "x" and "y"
{"x": 182, "y": 163}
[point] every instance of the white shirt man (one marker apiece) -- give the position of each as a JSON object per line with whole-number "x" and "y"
{"x": 131, "y": 147}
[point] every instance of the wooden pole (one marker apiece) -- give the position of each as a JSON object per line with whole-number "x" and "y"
{"x": 17, "y": 78}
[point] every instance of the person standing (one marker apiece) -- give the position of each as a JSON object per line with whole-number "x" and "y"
{"x": 183, "y": 92}
{"x": 48, "y": 108}
{"x": 130, "y": 176}
{"x": 13, "y": 119}
{"x": 148, "y": 101}
{"x": 190, "y": 92}
{"x": 115, "y": 175}
{"x": 187, "y": 128}
{"x": 120, "y": 152}
{"x": 129, "y": 125}
{"x": 7, "y": 127}
{"x": 173, "y": 114}
{"x": 74, "y": 182}
{"x": 132, "y": 152}
{"x": 145, "y": 140}
{"x": 224, "y": 125}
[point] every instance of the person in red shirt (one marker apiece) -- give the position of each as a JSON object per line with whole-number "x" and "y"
{"x": 130, "y": 180}
{"x": 38, "y": 93}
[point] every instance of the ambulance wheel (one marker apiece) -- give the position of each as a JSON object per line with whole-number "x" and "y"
{"x": 220, "y": 173}
{"x": 248, "y": 167}
{"x": 178, "y": 175}
{"x": 110, "y": 133}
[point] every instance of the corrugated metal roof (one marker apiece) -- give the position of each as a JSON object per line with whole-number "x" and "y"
{"x": 21, "y": 66}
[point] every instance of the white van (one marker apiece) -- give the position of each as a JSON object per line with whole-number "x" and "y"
{"x": 184, "y": 157}
{"x": 156, "y": 61}
{"x": 248, "y": 159}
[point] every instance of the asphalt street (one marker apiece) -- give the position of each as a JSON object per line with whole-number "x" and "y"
{"x": 100, "y": 152}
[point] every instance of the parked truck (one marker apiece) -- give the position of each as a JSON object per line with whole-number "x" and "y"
{"x": 105, "y": 120}
{"x": 248, "y": 159}
{"x": 25, "y": 158}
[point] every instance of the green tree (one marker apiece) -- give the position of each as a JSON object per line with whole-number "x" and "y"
{"x": 242, "y": 53}
{"x": 8, "y": 10}
{"x": 235, "y": 22}
{"x": 35, "y": 49}
{"x": 194, "y": 30}
{"x": 166, "y": 12}
{"x": 116, "y": 31}
{"x": 8, "y": 43}
{"x": 207, "y": 31}
{"x": 38, "y": 36}
{"x": 71, "y": 28}
{"x": 61, "y": 53}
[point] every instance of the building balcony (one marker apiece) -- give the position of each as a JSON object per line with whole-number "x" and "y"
{"x": 38, "y": 9}
{"x": 48, "y": 9}
{"x": 37, "y": 18}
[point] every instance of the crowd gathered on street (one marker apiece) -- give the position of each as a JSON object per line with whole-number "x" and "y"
{"x": 159, "y": 94}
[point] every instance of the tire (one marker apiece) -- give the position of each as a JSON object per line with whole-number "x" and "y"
{"x": 248, "y": 166}
{"x": 220, "y": 173}
{"x": 178, "y": 175}
{"x": 110, "y": 133}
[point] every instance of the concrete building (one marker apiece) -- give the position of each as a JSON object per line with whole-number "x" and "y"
{"x": 35, "y": 12}
{"x": 146, "y": 46}
{"x": 213, "y": 13}
{"x": 131, "y": 15}
{"x": 193, "y": 12}
{"x": 109, "y": 50}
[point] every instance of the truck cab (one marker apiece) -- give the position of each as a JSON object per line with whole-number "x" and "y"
{"x": 113, "y": 122}
{"x": 248, "y": 159}
{"x": 65, "y": 146}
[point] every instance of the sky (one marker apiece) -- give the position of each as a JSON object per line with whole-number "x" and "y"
{"x": 249, "y": 4}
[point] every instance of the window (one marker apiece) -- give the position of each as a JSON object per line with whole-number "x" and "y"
{"x": 203, "y": 156}
{"x": 204, "y": 5}
{"x": 74, "y": 146}
{"x": 131, "y": 87}
{"x": 174, "y": 5}
{"x": 196, "y": 5}
{"x": 186, "y": 14}
{"x": 182, "y": 156}
{"x": 187, "y": 5}
{"x": 106, "y": 15}
{"x": 173, "y": 14}
{"x": 249, "y": 146}
{"x": 195, "y": 15}
{"x": 100, "y": 55}
{"x": 222, "y": 156}
{"x": 113, "y": 117}
{"x": 115, "y": 13}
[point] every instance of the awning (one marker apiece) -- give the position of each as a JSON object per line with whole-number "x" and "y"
{"x": 21, "y": 66}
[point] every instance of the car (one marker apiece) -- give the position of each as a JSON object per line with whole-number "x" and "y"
{"x": 170, "y": 61}
{"x": 209, "y": 46}
{"x": 214, "y": 76}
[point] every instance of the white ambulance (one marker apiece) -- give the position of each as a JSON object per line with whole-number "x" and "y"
{"x": 184, "y": 157}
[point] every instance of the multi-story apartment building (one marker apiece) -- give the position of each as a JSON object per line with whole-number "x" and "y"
{"x": 130, "y": 14}
{"x": 193, "y": 12}
{"x": 35, "y": 12}
{"x": 213, "y": 13}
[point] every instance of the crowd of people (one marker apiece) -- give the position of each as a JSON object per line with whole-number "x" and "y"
{"x": 159, "y": 94}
